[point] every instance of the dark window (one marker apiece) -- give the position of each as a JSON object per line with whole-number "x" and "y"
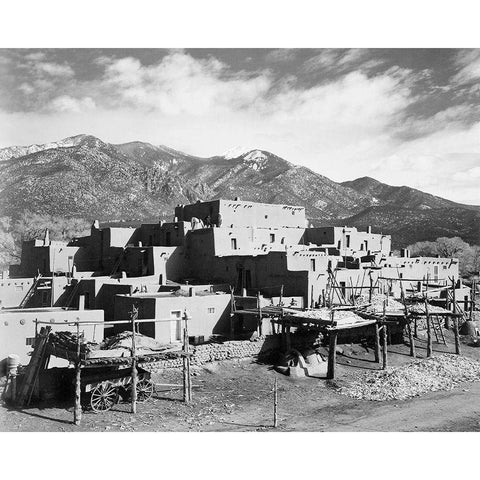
{"x": 234, "y": 243}
{"x": 347, "y": 238}
{"x": 312, "y": 264}
{"x": 87, "y": 299}
{"x": 272, "y": 238}
{"x": 248, "y": 279}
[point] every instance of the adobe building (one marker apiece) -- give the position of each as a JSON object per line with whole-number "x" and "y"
{"x": 246, "y": 246}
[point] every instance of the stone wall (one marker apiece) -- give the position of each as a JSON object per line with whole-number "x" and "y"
{"x": 214, "y": 352}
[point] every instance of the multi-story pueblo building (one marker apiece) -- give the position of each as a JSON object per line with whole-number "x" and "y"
{"x": 196, "y": 263}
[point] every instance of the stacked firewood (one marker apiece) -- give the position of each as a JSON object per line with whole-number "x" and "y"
{"x": 69, "y": 341}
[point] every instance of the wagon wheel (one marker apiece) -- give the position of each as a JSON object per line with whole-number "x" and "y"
{"x": 103, "y": 397}
{"x": 144, "y": 390}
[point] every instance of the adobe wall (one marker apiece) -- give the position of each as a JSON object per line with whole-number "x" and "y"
{"x": 13, "y": 291}
{"x": 203, "y": 321}
{"x": 16, "y": 326}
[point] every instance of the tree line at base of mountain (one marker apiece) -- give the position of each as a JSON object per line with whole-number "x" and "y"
{"x": 32, "y": 225}
{"x": 451, "y": 247}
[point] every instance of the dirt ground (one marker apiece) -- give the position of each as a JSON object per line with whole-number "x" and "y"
{"x": 237, "y": 395}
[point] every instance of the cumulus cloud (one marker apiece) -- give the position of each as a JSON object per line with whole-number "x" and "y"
{"x": 358, "y": 120}
{"x": 180, "y": 84}
{"x": 65, "y": 103}
{"x": 468, "y": 63}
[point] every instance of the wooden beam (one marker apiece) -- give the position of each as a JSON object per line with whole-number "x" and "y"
{"x": 275, "y": 404}
{"x": 411, "y": 340}
{"x": 77, "y": 410}
{"x": 457, "y": 335}
{"x": 384, "y": 347}
{"x": 377, "y": 343}
{"x": 429, "y": 331}
{"x": 332, "y": 354}
{"x": 134, "y": 366}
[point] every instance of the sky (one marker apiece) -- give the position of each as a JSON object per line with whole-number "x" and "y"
{"x": 403, "y": 116}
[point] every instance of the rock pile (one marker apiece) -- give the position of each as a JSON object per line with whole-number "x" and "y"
{"x": 443, "y": 372}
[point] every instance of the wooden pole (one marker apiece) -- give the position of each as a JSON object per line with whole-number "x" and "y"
{"x": 410, "y": 338}
{"x": 187, "y": 352}
{"x": 453, "y": 296}
{"x": 472, "y": 299}
{"x": 457, "y": 335}
{"x": 134, "y": 364}
{"x": 77, "y": 410}
{"x": 332, "y": 354}
{"x": 187, "y": 384}
{"x": 384, "y": 347}
{"x": 371, "y": 288}
{"x": 377, "y": 343}
{"x": 275, "y": 404}
{"x": 259, "y": 314}
{"x": 429, "y": 331}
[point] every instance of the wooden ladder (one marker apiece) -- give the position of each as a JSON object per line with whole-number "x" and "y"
{"x": 36, "y": 364}
{"x": 30, "y": 292}
{"x": 437, "y": 328}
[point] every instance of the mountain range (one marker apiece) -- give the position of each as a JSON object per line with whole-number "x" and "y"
{"x": 84, "y": 177}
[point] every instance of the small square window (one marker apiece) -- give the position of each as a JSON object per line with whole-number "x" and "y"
{"x": 211, "y": 310}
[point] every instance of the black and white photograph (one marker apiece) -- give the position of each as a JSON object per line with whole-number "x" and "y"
{"x": 210, "y": 237}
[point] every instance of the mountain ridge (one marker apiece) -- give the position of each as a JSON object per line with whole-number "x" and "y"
{"x": 82, "y": 176}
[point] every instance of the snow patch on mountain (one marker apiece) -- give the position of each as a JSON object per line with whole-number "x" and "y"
{"x": 256, "y": 160}
{"x": 236, "y": 152}
{"x": 19, "y": 151}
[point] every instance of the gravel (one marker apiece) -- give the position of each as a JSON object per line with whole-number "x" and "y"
{"x": 442, "y": 372}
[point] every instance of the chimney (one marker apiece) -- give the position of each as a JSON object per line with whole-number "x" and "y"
{"x": 405, "y": 253}
{"x": 81, "y": 302}
{"x": 369, "y": 229}
{"x": 191, "y": 292}
{"x": 46, "y": 237}
{"x": 237, "y": 199}
{"x": 140, "y": 243}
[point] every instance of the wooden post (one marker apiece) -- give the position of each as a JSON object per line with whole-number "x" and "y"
{"x": 447, "y": 322}
{"x": 275, "y": 404}
{"x": 371, "y": 288}
{"x": 457, "y": 335}
{"x": 410, "y": 338}
{"x": 453, "y": 296}
{"x": 187, "y": 383}
{"x": 281, "y": 295}
{"x": 377, "y": 343}
{"x": 77, "y": 410}
{"x": 259, "y": 314}
{"x": 187, "y": 351}
{"x": 429, "y": 331}
{"x": 288, "y": 339}
{"x": 134, "y": 364}
{"x": 472, "y": 299}
{"x": 332, "y": 354}
{"x": 384, "y": 347}
{"x": 232, "y": 314}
